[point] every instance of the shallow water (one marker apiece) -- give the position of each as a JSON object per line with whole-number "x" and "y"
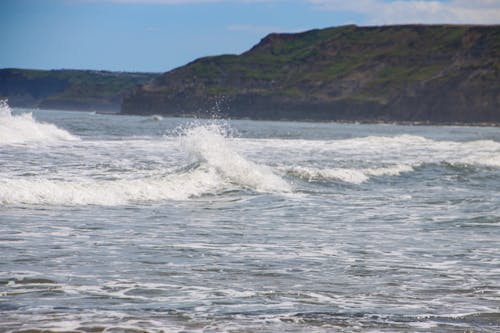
{"x": 116, "y": 223}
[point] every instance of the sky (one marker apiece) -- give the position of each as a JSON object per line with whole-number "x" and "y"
{"x": 159, "y": 35}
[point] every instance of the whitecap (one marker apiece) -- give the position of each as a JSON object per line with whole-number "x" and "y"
{"x": 354, "y": 176}
{"x": 209, "y": 144}
{"x": 23, "y": 128}
{"x": 110, "y": 192}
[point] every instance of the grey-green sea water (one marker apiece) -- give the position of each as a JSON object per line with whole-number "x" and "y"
{"x": 131, "y": 224}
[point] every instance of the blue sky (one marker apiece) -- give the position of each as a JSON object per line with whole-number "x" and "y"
{"x": 158, "y": 35}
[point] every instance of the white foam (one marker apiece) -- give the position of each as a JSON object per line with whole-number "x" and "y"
{"x": 110, "y": 192}
{"x": 416, "y": 150}
{"x": 404, "y": 149}
{"x": 480, "y": 152}
{"x": 314, "y": 174}
{"x": 394, "y": 170}
{"x": 217, "y": 167}
{"x": 209, "y": 144}
{"x": 355, "y": 176}
{"x": 23, "y": 128}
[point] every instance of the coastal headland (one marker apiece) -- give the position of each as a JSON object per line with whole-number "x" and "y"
{"x": 407, "y": 73}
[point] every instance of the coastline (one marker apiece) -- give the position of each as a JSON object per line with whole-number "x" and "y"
{"x": 309, "y": 120}
{"x": 215, "y": 116}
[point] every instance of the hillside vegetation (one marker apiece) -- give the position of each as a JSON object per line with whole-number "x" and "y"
{"x": 437, "y": 73}
{"x": 68, "y": 89}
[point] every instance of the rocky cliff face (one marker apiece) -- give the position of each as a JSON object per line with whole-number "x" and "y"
{"x": 422, "y": 73}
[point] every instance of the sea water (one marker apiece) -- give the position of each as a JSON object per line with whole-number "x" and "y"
{"x": 130, "y": 224}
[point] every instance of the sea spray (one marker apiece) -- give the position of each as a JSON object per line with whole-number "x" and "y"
{"x": 23, "y": 128}
{"x": 211, "y": 144}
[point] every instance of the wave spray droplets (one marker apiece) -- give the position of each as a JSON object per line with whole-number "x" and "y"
{"x": 210, "y": 145}
{"x": 23, "y": 128}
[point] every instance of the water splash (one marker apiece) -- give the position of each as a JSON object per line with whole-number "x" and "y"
{"x": 211, "y": 144}
{"x": 15, "y": 129}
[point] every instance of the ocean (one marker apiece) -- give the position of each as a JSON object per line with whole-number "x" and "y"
{"x": 152, "y": 224}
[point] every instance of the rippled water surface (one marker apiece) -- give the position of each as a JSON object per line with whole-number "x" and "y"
{"x": 132, "y": 224}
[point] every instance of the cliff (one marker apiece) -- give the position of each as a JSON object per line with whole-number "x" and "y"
{"x": 68, "y": 89}
{"x": 418, "y": 73}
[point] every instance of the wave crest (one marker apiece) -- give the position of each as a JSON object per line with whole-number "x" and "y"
{"x": 354, "y": 176}
{"x": 23, "y": 128}
{"x": 110, "y": 192}
{"x": 216, "y": 168}
{"x": 210, "y": 144}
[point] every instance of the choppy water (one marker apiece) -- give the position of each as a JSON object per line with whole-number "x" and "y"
{"x": 114, "y": 223}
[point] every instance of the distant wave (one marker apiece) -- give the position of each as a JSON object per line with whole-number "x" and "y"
{"x": 23, "y": 128}
{"x": 416, "y": 150}
{"x": 390, "y": 151}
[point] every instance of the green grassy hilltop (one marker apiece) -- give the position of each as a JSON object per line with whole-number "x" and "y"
{"x": 436, "y": 73}
{"x": 68, "y": 89}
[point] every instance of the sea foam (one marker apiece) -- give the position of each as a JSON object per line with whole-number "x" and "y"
{"x": 354, "y": 176}
{"x": 213, "y": 166}
{"x": 109, "y": 192}
{"x": 23, "y": 128}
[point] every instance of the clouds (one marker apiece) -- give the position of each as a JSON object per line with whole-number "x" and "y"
{"x": 417, "y": 11}
{"x": 181, "y": 2}
{"x": 380, "y": 11}
{"x": 166, "y": 2}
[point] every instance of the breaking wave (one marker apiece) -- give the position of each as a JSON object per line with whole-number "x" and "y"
{"x": 209, "y": 144}
{"x": 205, "y": 159}
{"x": 109, "y": 192}
{"x": 355, "y": 176}
{"x": 215, "y": 167}
{"x": 23, "y": 128}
